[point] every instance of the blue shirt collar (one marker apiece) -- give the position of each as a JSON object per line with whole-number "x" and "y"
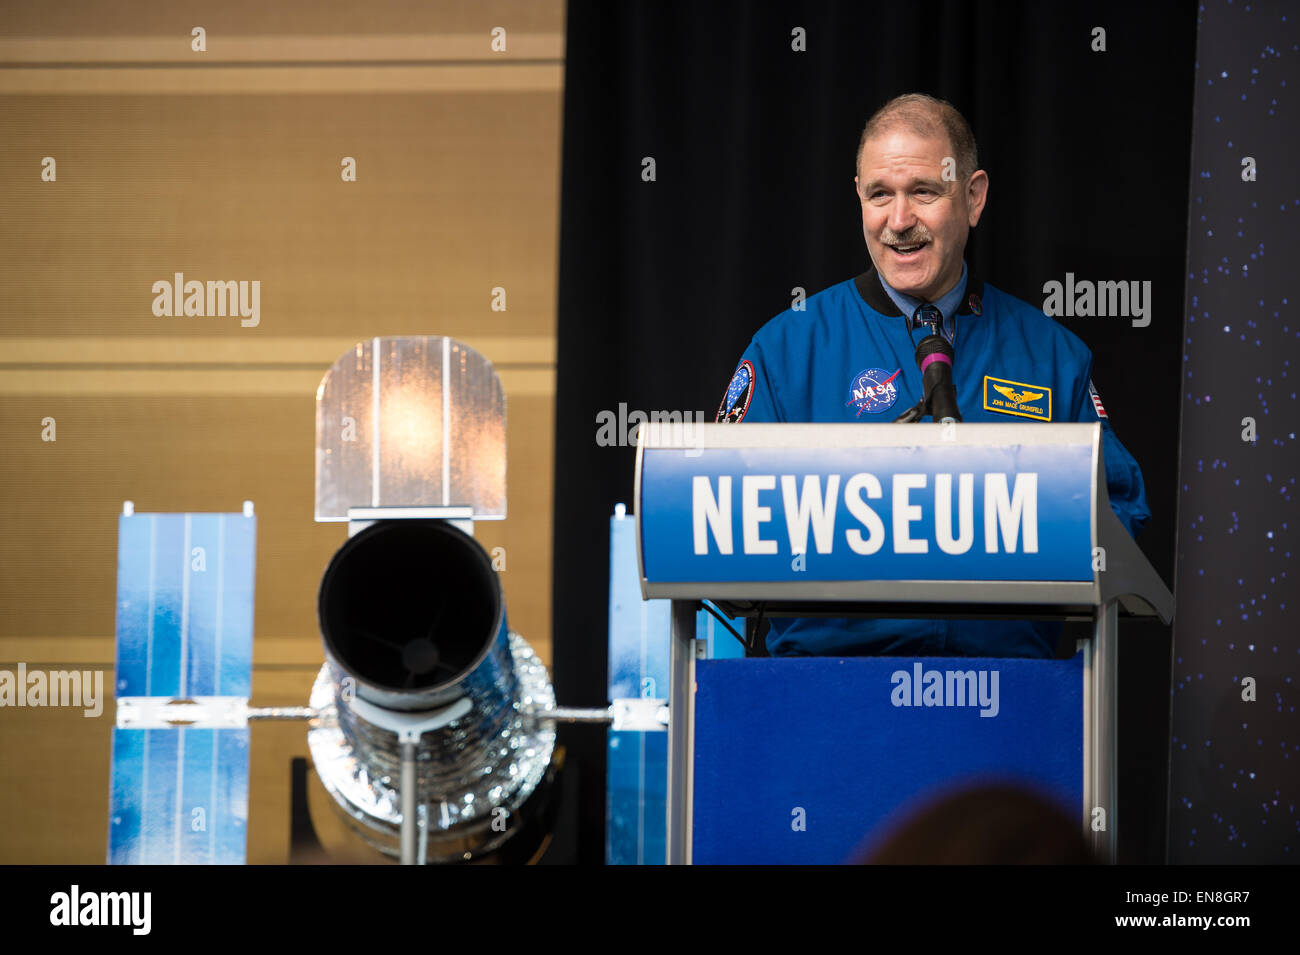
{"x": 947, "y": 305}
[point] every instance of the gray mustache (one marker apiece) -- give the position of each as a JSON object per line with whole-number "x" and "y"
{"x": 910, "y": 237}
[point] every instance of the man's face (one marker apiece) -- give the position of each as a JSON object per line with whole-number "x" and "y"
{"x": 916, "y": 222}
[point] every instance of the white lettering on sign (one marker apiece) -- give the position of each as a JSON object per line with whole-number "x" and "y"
{"x": 864, "y": 514}
{"x": 810, "y": 508}
{"x": 1010, "y": 513}
{"x": 751, "y": 514}
{"x": 965, "y": 513}
{"x": 905, "y": 513}
{"x": 715, "y": 510}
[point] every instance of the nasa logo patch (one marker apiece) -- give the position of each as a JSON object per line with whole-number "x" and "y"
{"x": 873, "y": 390}
{"x": 739, "y": 393}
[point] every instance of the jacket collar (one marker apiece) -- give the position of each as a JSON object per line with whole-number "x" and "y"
{"x": 873, "y": 293}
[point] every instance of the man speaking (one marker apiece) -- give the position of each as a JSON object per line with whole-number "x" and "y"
{"x": 848, "y": 355}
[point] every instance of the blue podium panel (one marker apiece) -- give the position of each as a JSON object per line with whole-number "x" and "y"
{"x": 179, "y": 796}
{"x": 801, "y": 760}
{"x": 185, "y": 605}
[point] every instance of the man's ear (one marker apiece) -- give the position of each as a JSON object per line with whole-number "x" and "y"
{"x": 977, "y": 193}
{"x": 856, "y": 192}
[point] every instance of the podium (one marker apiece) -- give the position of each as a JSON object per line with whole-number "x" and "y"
{"x": 951, "y": 521}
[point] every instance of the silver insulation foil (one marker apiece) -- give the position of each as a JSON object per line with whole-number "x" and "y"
{"x": 474, "y": 774}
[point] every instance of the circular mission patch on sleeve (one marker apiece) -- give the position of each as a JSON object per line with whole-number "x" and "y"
{"x": 736, "y": 401}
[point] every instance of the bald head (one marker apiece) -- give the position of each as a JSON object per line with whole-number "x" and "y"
{"x": 927, "y": 117}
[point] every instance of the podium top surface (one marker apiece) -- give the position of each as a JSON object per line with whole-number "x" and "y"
{"x": 690, "y": 436}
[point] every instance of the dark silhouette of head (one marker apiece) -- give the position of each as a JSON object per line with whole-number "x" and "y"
{"x": 986, "y": 824}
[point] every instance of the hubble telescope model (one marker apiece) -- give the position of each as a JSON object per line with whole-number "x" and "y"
{"x": 431, "y": 723}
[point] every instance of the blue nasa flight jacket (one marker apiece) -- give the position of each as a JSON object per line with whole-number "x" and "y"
{"x": 850, "y": 356}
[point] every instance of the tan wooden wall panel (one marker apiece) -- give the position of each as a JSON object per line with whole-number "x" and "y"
{"x": 456, "y": 195}
{"x": 226, "y": 166}
{"x": 111, "y": 21}
{"x": 210, "y": 454}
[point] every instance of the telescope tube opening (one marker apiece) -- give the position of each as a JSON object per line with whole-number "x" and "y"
{"x": 410, "y": 608}
{"x": 413, "y": 619}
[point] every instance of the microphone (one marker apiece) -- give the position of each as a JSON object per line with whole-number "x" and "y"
{"x": 934, "y": 357}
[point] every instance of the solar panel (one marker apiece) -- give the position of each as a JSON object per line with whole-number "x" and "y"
{"x": 637, "y": 760}
{"x": 179, "y": 796}
{"x": 184, "y": 631}
{"x": 411, "y": 421}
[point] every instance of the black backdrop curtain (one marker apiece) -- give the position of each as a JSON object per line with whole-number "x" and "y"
{"x": 663, "y": 282}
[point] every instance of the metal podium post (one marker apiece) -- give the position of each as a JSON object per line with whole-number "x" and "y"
{"x": 1103, "y": 732}
{"x": 681, "y": 731}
